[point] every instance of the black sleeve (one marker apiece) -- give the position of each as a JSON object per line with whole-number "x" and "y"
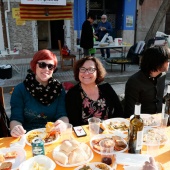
{"x": 132, "y": 95}
{"x": 73, "y": 107}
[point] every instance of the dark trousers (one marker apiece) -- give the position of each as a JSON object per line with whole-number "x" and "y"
{"x": 107, "y": 52}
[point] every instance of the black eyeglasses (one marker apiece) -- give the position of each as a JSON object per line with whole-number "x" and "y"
{"x": 44, "y": 65}
{"x": 90, "y": 70}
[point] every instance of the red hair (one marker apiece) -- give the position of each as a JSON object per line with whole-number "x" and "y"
{"x": 42, "y": 55}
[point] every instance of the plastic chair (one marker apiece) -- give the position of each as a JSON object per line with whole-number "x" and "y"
{"x": 64, "y": 58}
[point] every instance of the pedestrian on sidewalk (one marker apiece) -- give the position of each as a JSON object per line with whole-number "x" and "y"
{"x": 39, "y": 99}
{"x": 86, "y": 40}
{"x": 104, "y": 27}
{"x": 148, "y": 84}
{"x": 91, "y": 96}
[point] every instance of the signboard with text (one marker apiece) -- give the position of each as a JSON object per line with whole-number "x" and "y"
{"x": 44, "y": 2}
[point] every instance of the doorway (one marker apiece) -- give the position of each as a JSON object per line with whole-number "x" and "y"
{"x": 49, "y": 32}
{"x": 57, "y": 33}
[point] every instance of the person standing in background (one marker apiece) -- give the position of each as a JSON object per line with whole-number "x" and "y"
{"x": 86, "y": 41}
{"x": 104, "y": 27}
{"x": 92, "y": 51}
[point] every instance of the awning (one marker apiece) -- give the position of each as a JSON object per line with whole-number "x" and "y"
{"x": 46, "y": 12}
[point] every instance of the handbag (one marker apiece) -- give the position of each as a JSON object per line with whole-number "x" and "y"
{"x": 4, "y": 123}
{"x": 65, "y": 50}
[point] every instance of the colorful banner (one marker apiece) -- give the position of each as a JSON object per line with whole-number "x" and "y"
{"x": 41, "y": 12}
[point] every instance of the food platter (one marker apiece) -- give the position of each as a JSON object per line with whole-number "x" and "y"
{"x": 154, "y": 134}
{"x": 95, "y": 165}
{"x": 42, "y": 134}
{"x": 77, "y": 152}
{"x": 116, "y": 124}
{"x": 38, "y": 162}
{"x": 21, "y": 156}
{"x": 150, "y": 120}
{"x": 94, "y": 143}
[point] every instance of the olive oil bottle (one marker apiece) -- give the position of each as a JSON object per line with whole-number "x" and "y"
{"x": 166, "y": 101}
{"x": 136, "y": 131}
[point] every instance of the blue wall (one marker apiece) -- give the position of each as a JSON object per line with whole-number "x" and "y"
{"x": 129, "y": 14}
{"x": 79, "y": 15}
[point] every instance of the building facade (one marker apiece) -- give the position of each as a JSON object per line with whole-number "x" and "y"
{"x": 129, "y": 19}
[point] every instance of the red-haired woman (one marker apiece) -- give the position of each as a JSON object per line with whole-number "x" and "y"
{"x": 39, "y": 99}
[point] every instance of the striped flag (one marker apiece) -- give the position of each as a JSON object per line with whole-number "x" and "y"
{"x": 46, "y": 12}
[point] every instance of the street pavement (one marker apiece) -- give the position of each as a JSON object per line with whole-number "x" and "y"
{"x": 115, "y": 77}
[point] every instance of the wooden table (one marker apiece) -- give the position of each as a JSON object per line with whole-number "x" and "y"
{"x": 163, "y": 156}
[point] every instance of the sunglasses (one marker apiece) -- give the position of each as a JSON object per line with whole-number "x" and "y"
{"x": 44, "y": 65}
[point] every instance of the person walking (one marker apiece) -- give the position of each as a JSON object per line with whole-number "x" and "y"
{"x": 86, "y": 40}
{"x": 104, "y": 27}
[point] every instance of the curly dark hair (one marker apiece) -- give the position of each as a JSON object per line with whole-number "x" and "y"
{"x": 101, "y": 72}
{"x": 154, "y": 58}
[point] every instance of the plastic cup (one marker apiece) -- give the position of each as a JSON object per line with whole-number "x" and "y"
{"x": 164, "y": 121}
{"x": 152, "y": 145}
{"x": 66, "y": 133}
{"x": 94, "y": 126}
{"x": 107, "y": 149}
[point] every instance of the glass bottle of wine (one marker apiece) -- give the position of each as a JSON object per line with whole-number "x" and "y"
{"x": 136, "y": 131}
{"x": 166, "y": 101}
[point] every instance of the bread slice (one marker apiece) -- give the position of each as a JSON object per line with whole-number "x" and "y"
{"x": 10, "y": 155}
{"x": 2, "y": 159}
{"x": 6, "y": 166}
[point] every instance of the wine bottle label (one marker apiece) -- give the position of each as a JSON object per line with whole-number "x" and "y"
{"x": 139, "y": 140}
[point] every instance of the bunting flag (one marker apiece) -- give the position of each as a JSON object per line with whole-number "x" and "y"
{"x": 46, "y": 12}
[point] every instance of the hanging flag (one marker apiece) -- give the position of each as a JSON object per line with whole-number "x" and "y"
{"x": 46, "y": 12}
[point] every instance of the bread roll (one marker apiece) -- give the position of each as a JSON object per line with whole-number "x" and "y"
{"x": 6, "y": 166}
{"x": 77, "y": 155}
{"x": 67, "y": 146}
{"x": 86, "y": 148}
{"x": 61, "y": 157}
{"x": 2, "y": 159}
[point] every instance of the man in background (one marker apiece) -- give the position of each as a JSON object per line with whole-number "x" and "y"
{"x": 104, "y": 27}
{"x": 86, "y": 41}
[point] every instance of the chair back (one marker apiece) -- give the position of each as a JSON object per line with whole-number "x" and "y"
{"x": 60, "y": 48}
{"x": 2, "y": 96}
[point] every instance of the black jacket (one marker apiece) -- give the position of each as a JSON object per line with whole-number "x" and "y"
{"x": 74, "y": 103}
{"x": 139, "y": 88}
{"x": 86, "y": 40}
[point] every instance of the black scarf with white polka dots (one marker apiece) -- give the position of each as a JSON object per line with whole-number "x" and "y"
{"x": 44, "y": 94}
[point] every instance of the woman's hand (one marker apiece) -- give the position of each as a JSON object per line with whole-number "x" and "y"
{"x": 60, "y": 126}
{"x": 151, "y": 165}
{"x": 18, "y": 131}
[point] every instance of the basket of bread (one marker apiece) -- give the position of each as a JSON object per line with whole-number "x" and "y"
{"x": 72, "y": 153}
{"x": 103, "y": 44}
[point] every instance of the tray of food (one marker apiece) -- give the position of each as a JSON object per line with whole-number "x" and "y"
{"x": 120, "y": 143}
{"x": 116, "y": 124}
{"x": 94, "y": 166}
{"x": 12, "y": 157}
{"x": 47, "y": 137}
{"x": 72, "y": 153}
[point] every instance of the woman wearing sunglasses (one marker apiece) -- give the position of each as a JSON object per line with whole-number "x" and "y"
{"x": 39, "y": 99}
{"x": 91, "y": 97}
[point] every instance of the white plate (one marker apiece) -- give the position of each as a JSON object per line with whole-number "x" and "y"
{"x": 160, "y": 134}
{"x": 115, "y": 121}
{"x": 131, "y": 159}
{"x": 92, "y": 166}
{"x": 104, "y": 136}
{"x": 21, "y": 154}
{"x": 151, "y": 120}
{"x": 72, "y": 165}
{"x": 41, "y": 135}
{"x": 42, "y": 160}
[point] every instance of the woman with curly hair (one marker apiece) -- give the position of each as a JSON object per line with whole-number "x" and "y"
{"x": 91, "y": 97}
